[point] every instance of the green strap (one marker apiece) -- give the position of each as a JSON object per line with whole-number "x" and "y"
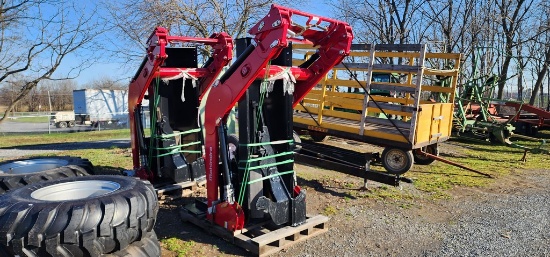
{"x": 175, "y": 152}
{"x": 247, "y": 170}
{"x": 267, "y": 165}
{"x": 163, "y": 136}
{"x": 177, "y": 146}
{"x": 156, "y": 99}
{"x": 243, "y": 184}
{"x": 271, "y": 176}
{"x": 267, "y": 157}
{"x": 278, "y": 142}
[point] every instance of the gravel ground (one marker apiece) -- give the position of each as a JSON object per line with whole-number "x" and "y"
{"x": 488, "y": 222}
{"x": 511, "y": 224}
{"x": 510, "y": 218}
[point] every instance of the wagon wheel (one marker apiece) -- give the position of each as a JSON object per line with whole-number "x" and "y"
{"x": 421, "y": 159}
{"x": 397, "y": 161}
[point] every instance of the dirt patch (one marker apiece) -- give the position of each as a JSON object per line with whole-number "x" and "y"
{"x": 403, "y": 223}
{"x": 386, "y": 221}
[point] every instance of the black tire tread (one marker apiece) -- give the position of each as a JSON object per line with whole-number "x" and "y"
{"x": 148, "y": 246}
{"x": 84, "y": 227}
{"x": 10, "y": 182}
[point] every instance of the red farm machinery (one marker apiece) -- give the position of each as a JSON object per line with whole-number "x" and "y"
{"x": 250, "y": 180}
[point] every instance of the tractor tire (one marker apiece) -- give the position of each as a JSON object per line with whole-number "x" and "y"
{"x": 424, "y": 160}
{"x": 62, "y": 124}
{"x": 71, "y": 124}
{"x": 79, "y": 216}
{"x": 397, "y": 161}
{"x": 19, "y": 173}
{"x": 148, "y": 246}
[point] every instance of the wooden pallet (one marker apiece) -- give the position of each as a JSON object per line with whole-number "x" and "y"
{"x": 175, "y": 191}
{"x": 259, "y": 239}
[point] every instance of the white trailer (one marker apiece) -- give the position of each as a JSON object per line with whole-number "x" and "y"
{"x": 101, "y": 106}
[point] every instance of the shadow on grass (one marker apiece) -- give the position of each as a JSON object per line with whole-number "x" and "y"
{"x": 74, "y": 145}
{"x": 319, "y": 187}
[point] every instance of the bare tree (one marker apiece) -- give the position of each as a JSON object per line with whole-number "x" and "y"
{"x": 107, "y": 83}
{"x": 542, "y": 52}
{"x": 513, "y": 14}
{"x": 545, "y": 61}
{"x": 37, "y": 37}
{"x": 133, "y": 21}
{"x": 450, "y": 22}
{"x": 381, "y": 21}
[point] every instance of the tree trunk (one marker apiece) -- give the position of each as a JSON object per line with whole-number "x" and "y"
{"x": 520, "y": 84}
{"x": 503, "y": 75}
{"x": 540, "y": 77}
{"x": 20, "y": 97}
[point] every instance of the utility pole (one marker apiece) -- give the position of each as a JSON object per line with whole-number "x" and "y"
{"x": 50, "y": 103}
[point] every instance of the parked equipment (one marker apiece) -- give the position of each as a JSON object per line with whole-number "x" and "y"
{"x": 252, "y": 182}
{"x": 170, "y": 78}
{"x": 476, "y": 117}
{"x": 530, "y": 119}
{"x": 385, "y": 95}
{"x": 63, "y": 119}
{"x": 100, "y": 107}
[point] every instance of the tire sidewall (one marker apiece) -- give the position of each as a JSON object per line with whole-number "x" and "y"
{"x": 23, "y": 195}
{"x": 71, "y": 161}
{"x": 128, "y": 213}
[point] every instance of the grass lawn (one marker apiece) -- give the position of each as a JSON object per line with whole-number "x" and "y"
{"x": 430, "y": 182}
{"x": 88, "y": 136}
{"x": 110, "y": 158}
{"x": 434, "y": 179}
{"x": 33, "y": 119}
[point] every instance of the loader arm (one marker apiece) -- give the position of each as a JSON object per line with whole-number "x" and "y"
{"x": 151, "y": 68}
{"x": 271, "y": 35}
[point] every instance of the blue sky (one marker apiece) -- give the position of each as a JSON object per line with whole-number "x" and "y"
{"x": 110, "y": 68}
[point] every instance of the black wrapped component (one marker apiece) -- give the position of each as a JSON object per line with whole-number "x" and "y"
{"x": 198, "y": 171}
